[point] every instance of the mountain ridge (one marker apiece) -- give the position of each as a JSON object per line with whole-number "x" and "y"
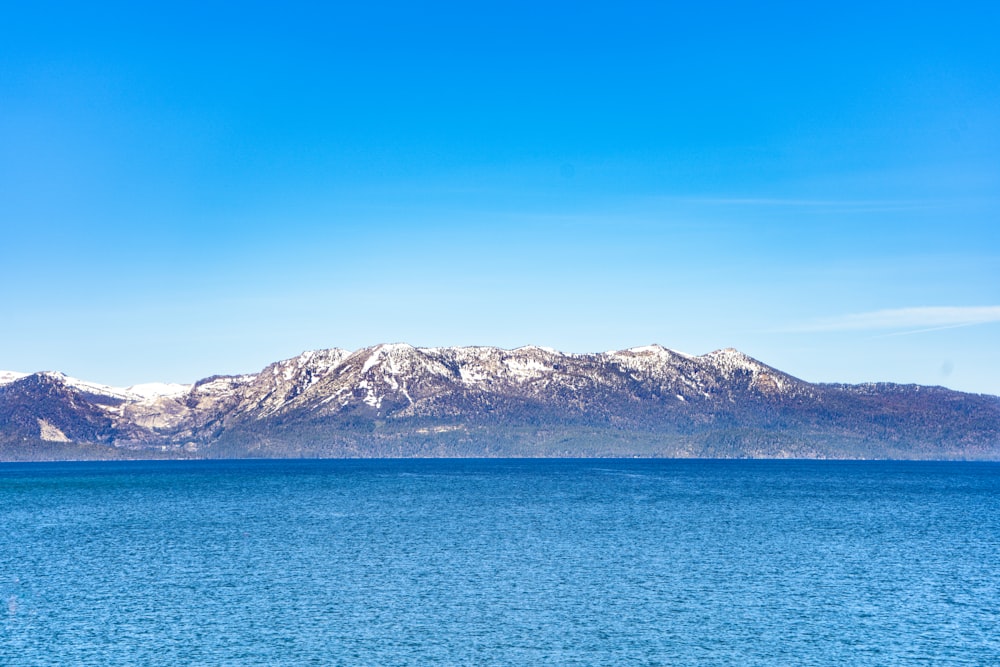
{"x": 400, "y": 400}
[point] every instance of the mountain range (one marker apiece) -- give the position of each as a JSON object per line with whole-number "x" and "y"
{"x": 397, "y": 400}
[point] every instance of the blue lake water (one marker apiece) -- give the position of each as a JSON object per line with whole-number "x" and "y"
{"x": 445, "y": 562}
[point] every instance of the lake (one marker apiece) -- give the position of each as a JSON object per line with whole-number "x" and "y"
{"x": 500, "y": 562}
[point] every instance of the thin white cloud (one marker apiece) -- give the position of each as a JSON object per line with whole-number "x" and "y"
{"x": 907, "y": 320}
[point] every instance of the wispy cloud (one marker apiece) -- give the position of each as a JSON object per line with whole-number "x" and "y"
{"x": 905, "y": 321}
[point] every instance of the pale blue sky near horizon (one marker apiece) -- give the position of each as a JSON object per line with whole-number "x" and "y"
{"x": 191, "y": 188}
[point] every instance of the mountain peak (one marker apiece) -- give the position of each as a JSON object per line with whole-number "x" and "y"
{"x": 732, "y": 358}
{"x": 652, "y": 350}
{"x": 538, "y": 348}
{"x": 655, "y": 348}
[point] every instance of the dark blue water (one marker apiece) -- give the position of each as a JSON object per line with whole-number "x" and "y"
{"x": 500, "y": 563}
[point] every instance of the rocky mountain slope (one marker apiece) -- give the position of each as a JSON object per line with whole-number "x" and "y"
{"x": 398, "y": 400}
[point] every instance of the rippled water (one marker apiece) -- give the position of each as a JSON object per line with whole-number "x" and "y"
{"x": 499, "y": 562}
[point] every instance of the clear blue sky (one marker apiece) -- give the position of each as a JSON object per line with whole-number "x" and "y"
{"x": 198, "y": 188}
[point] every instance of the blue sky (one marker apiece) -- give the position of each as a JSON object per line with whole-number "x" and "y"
{"x": 188, "y": 189}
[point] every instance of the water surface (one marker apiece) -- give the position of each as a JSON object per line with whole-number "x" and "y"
{"x": 583, "y": 562}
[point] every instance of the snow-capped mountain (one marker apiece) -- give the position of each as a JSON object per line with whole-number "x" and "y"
{"x": 402, "y": 400}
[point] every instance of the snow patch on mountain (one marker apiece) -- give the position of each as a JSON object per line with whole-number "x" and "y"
{"x": 6, "y": 377}
{"x": 222, "y": 384}
{"x": 547, "y": 350}
{"x": 90, "y": 387}
{"x": 525, "y": 369}
{"x": 151, "y": 390}
{"x": 730, "y": 359}
{"x": 390, "y": 357}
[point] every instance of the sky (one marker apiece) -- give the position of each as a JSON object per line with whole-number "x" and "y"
{"x": 189, "y": 189}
